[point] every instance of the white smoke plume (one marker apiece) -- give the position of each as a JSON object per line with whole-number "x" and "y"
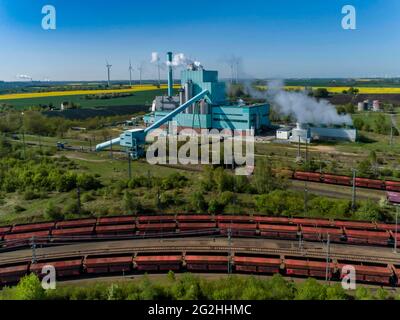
{"x": 155, "y": 57}
{"x": 24, "y": 77}
{"x": 304, "y": 108}
{"x": 179, "y": 59}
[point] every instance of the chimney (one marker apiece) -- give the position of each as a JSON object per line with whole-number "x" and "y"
{"x": 170, "y": 77}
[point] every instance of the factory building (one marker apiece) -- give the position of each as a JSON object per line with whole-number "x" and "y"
{"x": 215, "y": 112}
{"x": 306, "y": 133}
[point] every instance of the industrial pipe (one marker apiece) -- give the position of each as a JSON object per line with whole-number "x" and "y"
{"x": 170, "y": 76}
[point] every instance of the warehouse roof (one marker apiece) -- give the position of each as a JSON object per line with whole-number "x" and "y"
{"x": 285, "y": 129}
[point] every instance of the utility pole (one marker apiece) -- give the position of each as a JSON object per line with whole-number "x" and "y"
{"x": 23, "y": 134}
{"x": 111, "y": 149}
{"x": 129, "y": 166}
{"x": 300, "y": 242}
{"x": 298, "y": 150}
{"x": 33, "y": 247}
{"x": 353, "y": 196}
{"x": 391, "y": 134}
{"x": 306, "y": 151}
{"x": 78, "y": 194}
{"x": 305, "y": 197}
{"x": 230, "y": 251}
{"x": 328, "y": 268}
{"x": 395, "y": 232}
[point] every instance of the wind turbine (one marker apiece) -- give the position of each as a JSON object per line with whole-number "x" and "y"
{"x": 130, "y": 72}
{"x": 140, "y": 69}
{"x": 108, "y": 66}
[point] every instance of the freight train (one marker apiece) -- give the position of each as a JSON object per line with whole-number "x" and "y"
{"x": 212, "y": 262}
{"x": 347, "y": 181}
{"x": 131, "y": 227}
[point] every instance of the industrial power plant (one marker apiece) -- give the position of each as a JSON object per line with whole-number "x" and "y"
{"x": 201, "y": 103}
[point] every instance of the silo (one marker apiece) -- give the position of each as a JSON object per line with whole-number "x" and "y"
{"x": 375, "y": 105}
{"x": 188, "y": 95}
{"x": 182, "y": 96}
{"x": 360, "y": 106}
{"x": 203, "y": 107}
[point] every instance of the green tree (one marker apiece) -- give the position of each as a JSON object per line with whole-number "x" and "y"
{"x": 29, "y": 288}
{"x": 311, "y": 289}
{"x": 336, "y": 292}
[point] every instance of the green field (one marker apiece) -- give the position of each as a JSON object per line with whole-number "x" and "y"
{"x": 139, "y": 98}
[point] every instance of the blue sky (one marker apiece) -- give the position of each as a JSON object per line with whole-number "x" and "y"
{"x": 287, "y": 38}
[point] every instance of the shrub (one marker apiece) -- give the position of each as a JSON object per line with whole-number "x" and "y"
{"x": 53, "y": 212}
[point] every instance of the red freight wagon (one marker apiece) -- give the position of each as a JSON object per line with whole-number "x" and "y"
{"x": 375, "y": 274}
{"x": 127, "y": 229}
{"x": 246, "y": 268}
{"x": 367, "y": 237}
{"x": 4, "y": 230}
{"x": 76, "y": 223}
{"x": 156, "y": 226}
{"x": 196, "y": 225}
{"x": 199, "y": 262}
{"x": 261, "y": 264}
{"x": 271, "y": 220}
{"x": 355, "y": 225}
{"x": 222, "y": 218}
{"x": 197, "y": 218}
{"x": 149, "y": 219}
{"x": 108, "y": 264}
{"x": 32, "y": 227}
{"x": 153, "y": 263}
{"x": 17, "y": 239}
{"x": 243, "y": 229}
{"x": 278, "y": 231}
{"x": 310, "y": 176}
{"x": 116, "y": 220}
{"x": 307, "y": 268}
{"x": 312, "y": 222}
{"x": 334, "y": 179}
{"x": 12, "y": 274}
{"x": 63, "y": 268}
{"x": 392, "y": 185}
{"x": 387, "y": 226}
{"x": 83, "y": 231}
{"x": 370, "y": 183}
{"x": 312, "y": 233}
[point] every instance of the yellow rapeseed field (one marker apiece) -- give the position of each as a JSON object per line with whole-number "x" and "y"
{"x": 364, "y": 90}
{"x": 135, "y": 88}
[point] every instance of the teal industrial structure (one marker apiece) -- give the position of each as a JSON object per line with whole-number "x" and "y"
{"x": 200, "y": 104}
{"x": 214, "y": 112}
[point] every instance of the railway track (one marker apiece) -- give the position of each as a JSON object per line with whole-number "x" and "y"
{"x": 317, "y": 252}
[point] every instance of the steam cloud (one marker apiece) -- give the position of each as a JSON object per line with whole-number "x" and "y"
{"x": 304, "y": 108}
{"x": 155, "y": 57}
{"x": 24, "y": 77}
{"x": 180, "y": 59}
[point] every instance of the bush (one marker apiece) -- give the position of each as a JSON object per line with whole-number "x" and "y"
{"x": 197, "y": 202}
{"x": 88, "y": 182}
{"x": 18, "y": 209}
{"x": 53, "y": 212}
{"x": 30, "y": 195}
{"x": 29, "y": 288}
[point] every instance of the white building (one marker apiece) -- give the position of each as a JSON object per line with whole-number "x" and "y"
{"x": 284, "y": 133}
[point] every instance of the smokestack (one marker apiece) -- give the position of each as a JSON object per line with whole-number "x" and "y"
{"x": 170, "y": 78}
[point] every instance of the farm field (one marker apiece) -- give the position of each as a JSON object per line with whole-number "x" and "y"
{"x": 135, "y": 88}
{"x": 138, "y": 98}
{"x": 362, "y": 90}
